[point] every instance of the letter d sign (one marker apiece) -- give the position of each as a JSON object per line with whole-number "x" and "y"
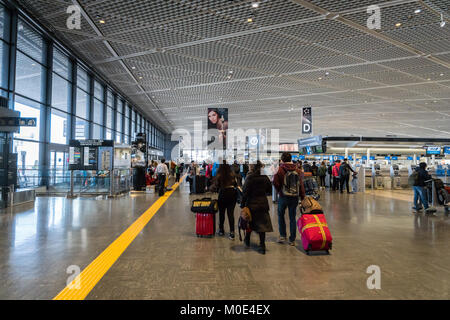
{"x": 306, "y": 120}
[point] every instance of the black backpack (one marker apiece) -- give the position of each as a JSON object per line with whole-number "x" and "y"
{"x": 344, "y": 170}
{"x": 291, "y": 184}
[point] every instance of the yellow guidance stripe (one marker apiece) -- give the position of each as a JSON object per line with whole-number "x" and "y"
{"x": 80, "y": 287}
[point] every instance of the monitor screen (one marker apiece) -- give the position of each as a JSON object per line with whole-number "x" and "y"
{"x": 433, "y": 150}
{"x": 318, "y": 149}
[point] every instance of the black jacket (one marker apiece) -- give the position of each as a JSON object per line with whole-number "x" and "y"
{"x": 255, "y": 191}
{"x": 423, "y": 176}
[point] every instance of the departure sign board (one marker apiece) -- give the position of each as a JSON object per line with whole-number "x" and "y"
{"x": 84, "y": 154}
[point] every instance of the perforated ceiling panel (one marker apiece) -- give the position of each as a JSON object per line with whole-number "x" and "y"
{"x": 265, "y": 61}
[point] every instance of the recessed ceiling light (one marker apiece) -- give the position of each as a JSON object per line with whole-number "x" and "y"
{"x": 102, "y": 21}
{"x": 418, "y": 11}
{"x": 249, "y": 20}
{"x": 255, "y": 4}
{"x": 327, "y": 73}
{"x": 133, "y": 68}
{"x": 441, "y": 74}
{"x": 429, "y": 79}
{"x": 231, "y": 71}
{"x": 320, "y": 78}
{"x": 398, "y": 24}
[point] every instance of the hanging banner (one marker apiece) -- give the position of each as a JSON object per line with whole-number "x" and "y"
{"x": 306, "y": 120}
{"x": 217, "y": 128}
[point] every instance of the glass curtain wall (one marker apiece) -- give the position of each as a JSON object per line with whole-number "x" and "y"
{"x": 68, "y": 100}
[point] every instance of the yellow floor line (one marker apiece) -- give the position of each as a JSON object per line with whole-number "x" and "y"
{"x": 92, "y": 274}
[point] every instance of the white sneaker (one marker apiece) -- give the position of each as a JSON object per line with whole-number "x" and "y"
{"x": 281, "y": 239}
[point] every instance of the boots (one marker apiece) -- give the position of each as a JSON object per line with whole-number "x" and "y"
{"x": 247, "y": 240}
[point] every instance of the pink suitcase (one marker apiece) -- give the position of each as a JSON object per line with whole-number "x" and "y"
{"x": 205, "y": 224}
{"x": 315, "y": 233}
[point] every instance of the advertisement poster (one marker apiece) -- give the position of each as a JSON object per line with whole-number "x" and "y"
{"x": 306, "y": 120}
{"x": 217, "y": 128}
{"x": 104, "y": 158}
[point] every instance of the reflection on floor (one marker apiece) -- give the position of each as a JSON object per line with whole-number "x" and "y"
{"x": 167, "y": 260}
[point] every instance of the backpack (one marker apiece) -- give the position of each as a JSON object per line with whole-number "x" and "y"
{"x": 413, "y": 178}
{"x": 310, "y": 206}
{"x": 344, "y": 170}
{"x": 291, "y": 184}
{"x": 322, "y": 171}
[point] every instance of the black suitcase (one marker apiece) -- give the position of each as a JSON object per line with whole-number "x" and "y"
{"x": 200, "y": 184}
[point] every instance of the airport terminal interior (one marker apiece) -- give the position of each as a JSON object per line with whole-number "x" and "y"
{"x": 120, "y": 120}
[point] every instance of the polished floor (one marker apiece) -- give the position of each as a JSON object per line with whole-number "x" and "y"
{"x": 167, "y": 261}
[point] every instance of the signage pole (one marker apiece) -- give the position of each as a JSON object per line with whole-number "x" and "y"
{"x": 71, "y": 185}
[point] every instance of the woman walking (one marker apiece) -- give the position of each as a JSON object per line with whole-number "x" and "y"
{"x": 225, "y": 183}
{"x": 255, "y": 190}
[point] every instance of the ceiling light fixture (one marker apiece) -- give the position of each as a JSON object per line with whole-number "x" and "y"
{"x": 250, "y": 20}
{"x": 417, "y": 11}
{"x": 442, "y": 21}
{"x": 398, "y": 24}
{"x": 255, "y": 5}
{"x": 102, "y": 21}
{"x": 441, "y": 74}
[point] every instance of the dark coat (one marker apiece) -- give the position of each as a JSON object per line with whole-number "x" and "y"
{"x": 423, "y": 176}
{"x": 255, "y": 190}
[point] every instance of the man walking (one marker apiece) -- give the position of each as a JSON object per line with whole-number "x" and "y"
{"x": 288, "y": 182}
{"x": 162, "y": 171}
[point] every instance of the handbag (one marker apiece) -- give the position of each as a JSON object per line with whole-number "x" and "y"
{"x": 204, "y": 205}
{"x": 244, "y": 221}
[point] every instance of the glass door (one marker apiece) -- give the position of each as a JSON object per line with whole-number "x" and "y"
{"x": 59, "y": 175}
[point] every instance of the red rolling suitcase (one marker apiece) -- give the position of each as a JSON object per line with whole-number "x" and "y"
{"x": 205, "y": 224}
{"x": 315, "y": 233}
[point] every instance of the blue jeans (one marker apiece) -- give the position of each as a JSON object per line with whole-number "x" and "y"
{"x": 419, "y": 192}
{"x": 291, "y": 203}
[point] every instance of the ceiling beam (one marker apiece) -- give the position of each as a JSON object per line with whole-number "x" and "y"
{"x": 376, "y": 34}
{"x": 167, "y": 125}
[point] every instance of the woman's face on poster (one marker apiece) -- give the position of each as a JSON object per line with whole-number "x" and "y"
{"x": 213, "y": 117}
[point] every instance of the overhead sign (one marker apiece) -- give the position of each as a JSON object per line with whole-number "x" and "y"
{"x": 447, "y": 150}
{"x": 91, "y": 143}
{"x": 409, "y": 158}
{"x": 17, "y": 122}
{"x": 310, "y": 142}
{"x": 306, "y": 120}
{"x": 433, "y": 150}
{"x": 394, "y": 158}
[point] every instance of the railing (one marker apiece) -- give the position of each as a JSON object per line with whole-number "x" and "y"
{"x": 58, "y": 181}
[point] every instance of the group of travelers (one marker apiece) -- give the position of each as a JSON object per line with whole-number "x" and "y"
{"x": 252, "y": 185}
{"x": 159, "y": 173}
{"x": 255, "y": 182}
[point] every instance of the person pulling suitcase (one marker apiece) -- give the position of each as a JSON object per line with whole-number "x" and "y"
{"x": 162, "y": 171}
